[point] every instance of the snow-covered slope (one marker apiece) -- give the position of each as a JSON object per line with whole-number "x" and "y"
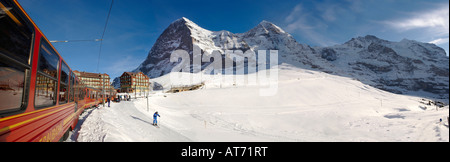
{"x": 309, "y": 106}
{"x": 405, "y": 67}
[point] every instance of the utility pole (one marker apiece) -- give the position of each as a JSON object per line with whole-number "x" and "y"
{"x": 148, "y": 93}
{"x": 103, "y": 89}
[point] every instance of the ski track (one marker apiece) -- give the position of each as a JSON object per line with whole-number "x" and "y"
{"x": 122, "y": 122}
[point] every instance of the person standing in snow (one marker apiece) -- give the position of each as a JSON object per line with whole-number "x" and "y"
{"x": 155, "y": 116}
{"x": 109, "y": 100}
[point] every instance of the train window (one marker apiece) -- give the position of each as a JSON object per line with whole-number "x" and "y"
{"x": 11, "y": 86}
{"x": 76, "y": 92}
{"x": 48, "y": 60}
{"x": 15, "y": 35}
{"x": 46, "y": 81}
{"x": 63, "y": 84}
{"x": 83, "y": 95}
{"x": 81, "y": 92}
{"x": 15, "y": 49}
{"x": 63, "y": 92}
{"x": 45, "y": 91}
{"x": 72, "y": 89}
{"x": 65, "y": 73}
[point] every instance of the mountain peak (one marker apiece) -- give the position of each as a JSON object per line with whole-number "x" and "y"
{"x": 371, "y": 37}
{"x": 270, "y": 26}
{"x": 180, "y": 20}
{"x": 264, "y": 28}
{"x": 404, "y": 40}
{"x": 184, "y": 20}
{"x": 188, "y": 21}
{"x": 365, "y": 41}
{"x": 264, "y": 22}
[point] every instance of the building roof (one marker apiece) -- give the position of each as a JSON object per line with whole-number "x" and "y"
{"x": 133, "y": 74}
{"x": 88, "y": 74}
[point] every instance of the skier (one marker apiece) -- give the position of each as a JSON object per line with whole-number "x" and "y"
{"x": 109, "y": 100}
{"x": 155, "y": 115}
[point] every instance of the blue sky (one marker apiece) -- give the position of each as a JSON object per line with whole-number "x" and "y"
{"x": 135, "y": 25}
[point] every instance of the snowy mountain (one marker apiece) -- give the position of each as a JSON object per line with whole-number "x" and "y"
{"x": 405, "y": 67}
{"x": 399, "y": 67}
{"x": 185, "y": 34}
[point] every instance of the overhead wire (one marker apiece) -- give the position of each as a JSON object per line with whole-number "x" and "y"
{"x": 66, "y": 41}
{"x": 104, "y": 30}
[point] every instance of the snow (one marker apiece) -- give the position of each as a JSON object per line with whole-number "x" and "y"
{"x": 309, "y": 106}
{"x": 123, "y": 122}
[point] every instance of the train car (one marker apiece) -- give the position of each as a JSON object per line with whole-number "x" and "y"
{"x": 93, "y": 97}
{"x": 40, "y": 97}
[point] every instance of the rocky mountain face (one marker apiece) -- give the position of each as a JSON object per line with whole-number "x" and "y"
{"x": 405, "y": 67}
{"x": 186, "y": 35}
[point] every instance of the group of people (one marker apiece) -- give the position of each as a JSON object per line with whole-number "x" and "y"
{"x": 124, "y": 97}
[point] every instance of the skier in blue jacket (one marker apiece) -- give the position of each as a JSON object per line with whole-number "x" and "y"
{"x": 155, "y": 115}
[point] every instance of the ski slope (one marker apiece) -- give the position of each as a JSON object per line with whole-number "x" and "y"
{"x": 309, "y": 106}
{"x": 123, "y": 122}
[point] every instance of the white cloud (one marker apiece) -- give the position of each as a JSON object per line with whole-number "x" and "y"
{"x": 435, "y": 20}
{"x": 318, "y": 23}
{"x": 297, "y": 9}
{"x": 304, "y": 22}
{"x": 440, "y": 41}
{"x": 431, "y": 24}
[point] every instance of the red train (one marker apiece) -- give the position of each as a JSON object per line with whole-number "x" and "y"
{"x": 40, "y": 96}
